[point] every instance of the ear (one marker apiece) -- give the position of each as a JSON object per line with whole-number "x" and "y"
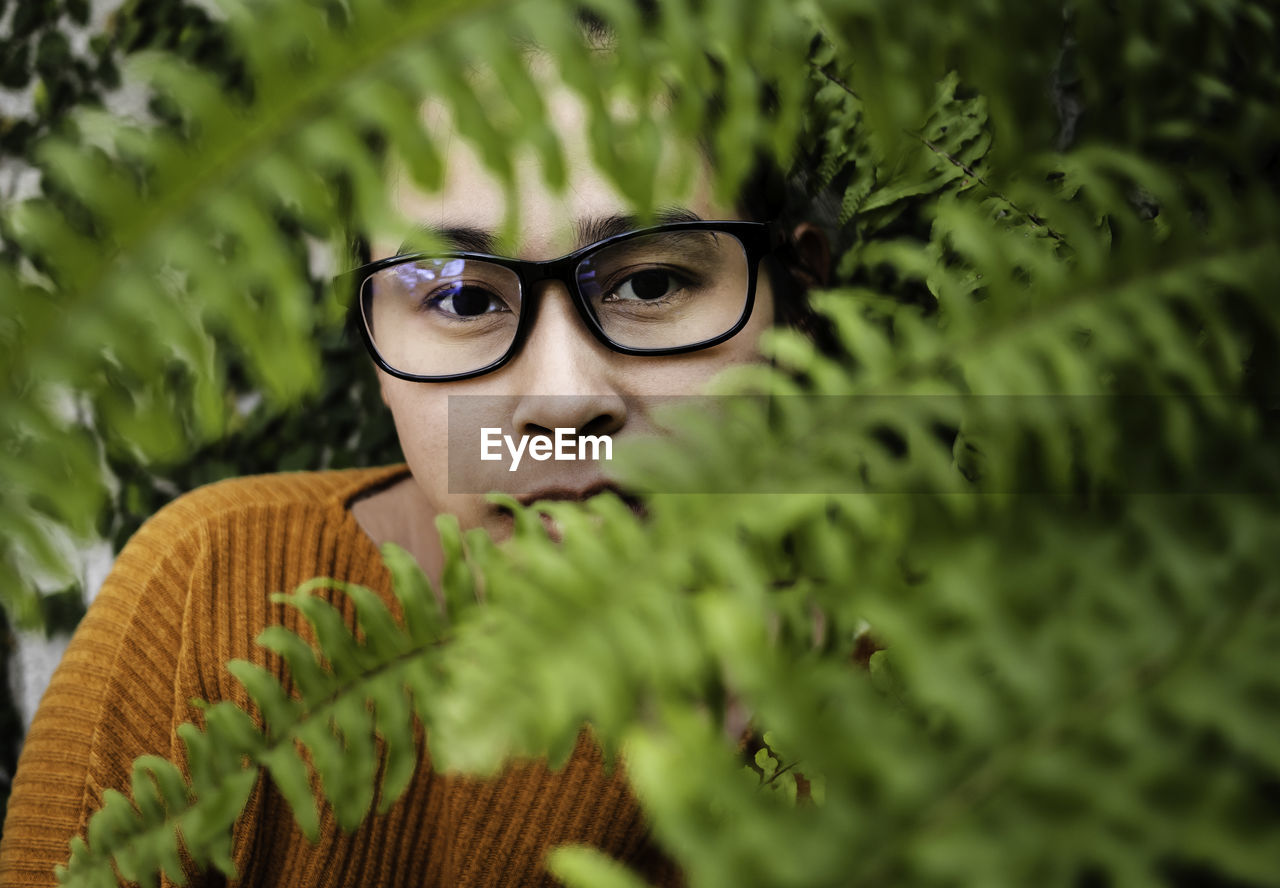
{"x": 812, "y": 252}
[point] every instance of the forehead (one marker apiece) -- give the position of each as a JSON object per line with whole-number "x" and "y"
{"x": 548, "y": 223}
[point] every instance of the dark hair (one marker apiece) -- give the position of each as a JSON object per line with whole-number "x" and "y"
{"x": 771, "y": 195}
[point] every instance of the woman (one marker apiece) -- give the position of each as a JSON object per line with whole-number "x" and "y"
{"x": 524, "y": 345}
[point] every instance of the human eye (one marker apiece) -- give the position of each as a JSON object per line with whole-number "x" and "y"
{"x": 655, "y": 285}
{"x": 460, "y": 300}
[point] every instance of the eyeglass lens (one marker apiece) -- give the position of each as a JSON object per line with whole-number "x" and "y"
{"x": 451, "y": 315}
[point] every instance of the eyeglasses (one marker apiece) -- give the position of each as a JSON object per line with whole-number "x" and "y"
{"x": 436, "y": 317}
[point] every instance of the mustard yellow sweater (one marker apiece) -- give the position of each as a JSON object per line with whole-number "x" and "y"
{"x": 191, "y": 591}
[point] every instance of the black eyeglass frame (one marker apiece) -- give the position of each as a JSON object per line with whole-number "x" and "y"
{"x": 758, "y": 239}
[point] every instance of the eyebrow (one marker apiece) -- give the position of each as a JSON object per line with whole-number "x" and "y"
{"x": 587, "y": 231}
{"x": 465, "y": 239}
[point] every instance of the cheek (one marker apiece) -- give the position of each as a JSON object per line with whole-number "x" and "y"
{"x": 421, "y": 416}
{"x": 419, "y": 412}
{"x": 690, "y": 374}
{"x": 421, "y": 419}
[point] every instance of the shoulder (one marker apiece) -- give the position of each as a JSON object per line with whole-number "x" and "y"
{"x": 283, "y": 497}
{"x": 332, "y": 490}
{"x": 244, "y": 527}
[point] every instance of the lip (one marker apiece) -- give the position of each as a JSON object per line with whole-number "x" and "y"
{"x": 567, "y": 493}
{"x": 581, "y": 494}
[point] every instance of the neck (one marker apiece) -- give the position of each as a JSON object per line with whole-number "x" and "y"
{"x": 400, "y": 514}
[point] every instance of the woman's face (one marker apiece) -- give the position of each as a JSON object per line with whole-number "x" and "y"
{"x": 562, "y": 377}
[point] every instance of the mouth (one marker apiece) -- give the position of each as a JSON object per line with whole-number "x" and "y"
{"x": 568, "y": 493}
{"x": 571, "y": 494}
{"x": 582, "y": 494}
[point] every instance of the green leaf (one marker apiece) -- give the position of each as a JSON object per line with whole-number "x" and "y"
{"x": 579, "y": 866}
{"x": 291, "y": 777}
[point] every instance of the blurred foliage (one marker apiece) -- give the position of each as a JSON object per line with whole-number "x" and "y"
{"x": 141, "y": 464}
{"x": 339, "y": 423}
{"x": 1041, "y": 465}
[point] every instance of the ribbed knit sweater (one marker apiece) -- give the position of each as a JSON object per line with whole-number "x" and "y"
{"x": 190, "y": 592}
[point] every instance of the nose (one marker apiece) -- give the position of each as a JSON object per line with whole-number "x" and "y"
{"x": 564, "y": 377}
